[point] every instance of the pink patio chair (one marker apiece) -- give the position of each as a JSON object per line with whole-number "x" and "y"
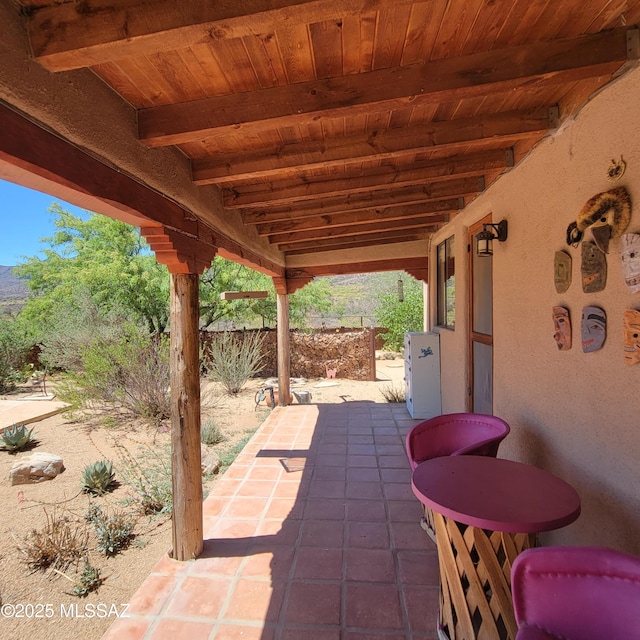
{"x": 453, "y": 434}
{"x": 576, "y": 593}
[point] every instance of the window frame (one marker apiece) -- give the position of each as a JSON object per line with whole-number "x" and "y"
{"x": 445, "y": 284}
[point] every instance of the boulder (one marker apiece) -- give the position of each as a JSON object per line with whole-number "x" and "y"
{"x": 35, "y": 467}
{"x": 210, "y": 461}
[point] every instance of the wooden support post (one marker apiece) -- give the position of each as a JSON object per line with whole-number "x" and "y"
{"x": 284, "y": 362}
{"x": 186, "y": 258}
{"x": 372, "y": 354}
{"x": 185, "y": 417}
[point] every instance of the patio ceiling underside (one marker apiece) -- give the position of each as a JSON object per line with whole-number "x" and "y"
{"x": 342, "y": 133}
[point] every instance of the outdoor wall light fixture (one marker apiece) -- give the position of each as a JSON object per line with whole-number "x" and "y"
{"x": 486, "y": 237}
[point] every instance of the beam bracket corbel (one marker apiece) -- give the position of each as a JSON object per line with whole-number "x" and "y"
{"x": 179, "y": 252}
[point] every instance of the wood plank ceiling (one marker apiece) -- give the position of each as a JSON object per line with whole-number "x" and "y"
{"x": 343, "y": 124}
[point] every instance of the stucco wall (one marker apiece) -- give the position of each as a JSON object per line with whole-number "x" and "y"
{"x": 574, "y": 414}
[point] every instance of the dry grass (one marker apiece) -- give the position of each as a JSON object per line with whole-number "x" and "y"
{"x": 392, "y": 393}
{"x": 58, "y": 545}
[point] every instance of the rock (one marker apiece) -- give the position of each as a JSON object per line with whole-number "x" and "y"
{"x": 211, "y": 464}
{"x": 210, "y": 461}
{"x": 35, "y": 468}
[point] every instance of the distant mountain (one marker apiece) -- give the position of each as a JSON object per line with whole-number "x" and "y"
{"x": 13, "y": 290}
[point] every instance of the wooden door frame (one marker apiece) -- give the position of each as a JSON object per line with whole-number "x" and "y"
{"x": 472, "y": 335}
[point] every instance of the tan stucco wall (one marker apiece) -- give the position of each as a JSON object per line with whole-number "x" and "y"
{"x": 574, "y": 414}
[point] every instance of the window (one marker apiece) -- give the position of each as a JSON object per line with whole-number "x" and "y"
{"x": 446, "y": 307}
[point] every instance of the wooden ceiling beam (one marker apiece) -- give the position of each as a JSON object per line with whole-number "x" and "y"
{"x": 72, "y": 35}
{"x": 260, "y": 216}
{"x": 371, "y": 266}
{"x": 413, "y": 194}
{"x": 354, "y": 242}
{"x": 421, "y": 222}
{"x": 365, "y": 266}
{"x": 433, "y": 82}
{"x": 389, "y": 214}
{"x": 289, "y": 216}
{"x": 443, "y": 169}
{"x": 390, "y": 145}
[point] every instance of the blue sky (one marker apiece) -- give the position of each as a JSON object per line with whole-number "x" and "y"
{"x": 25, "y": 219}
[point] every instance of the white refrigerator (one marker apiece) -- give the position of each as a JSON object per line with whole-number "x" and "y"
{"x": 422, "y": 374}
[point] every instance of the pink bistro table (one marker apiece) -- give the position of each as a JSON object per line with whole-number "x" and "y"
{"x": 486, "y": 511}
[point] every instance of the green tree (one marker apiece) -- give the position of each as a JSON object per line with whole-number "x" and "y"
{"x": 314, "y": 297}
{"x": 110, "y": 262}
{"x": 105, "y": 257}
{"x": 224, "y": 275}
{"x": 401, "y": 316}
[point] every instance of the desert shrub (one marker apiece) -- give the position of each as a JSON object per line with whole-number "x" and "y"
{"x": 59, "y": 544}
{"x": 14, "y": 348}
{"x": 89, "y": 580}
{"x": 98, "y": 478}
{"x": 132, "y": 373}
{"x": 114, "y": 531}
{"x": 393, "y": 394}
{"x": 75, "y": 326}
{"x": 149, "y": 478}
{"x": 146, "y": 389}
{"x": 17, "y": 438}
{"x": 233, "y": 358}
{"x": 210, "y": 432}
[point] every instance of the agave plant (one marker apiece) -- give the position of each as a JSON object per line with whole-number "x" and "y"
{"x": 98, "y": 478}
{"x": 16, "y": 438}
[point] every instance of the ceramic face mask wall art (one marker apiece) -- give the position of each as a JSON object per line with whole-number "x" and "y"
{"x": 607, "y": 214}
{"x": 562, "y": 271}
{"x": 631, "y": 260}
{"x": 562, "y": 328}
{"x": 594, "y": 328}
{"x": 631, "y": 336}
{"x": 594, "y": 268}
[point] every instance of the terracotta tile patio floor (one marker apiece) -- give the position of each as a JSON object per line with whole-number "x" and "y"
{"x": 312, "y": 533}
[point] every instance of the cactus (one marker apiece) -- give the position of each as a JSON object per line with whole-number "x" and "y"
{"x": 98, "y": 478}
{"x": 16, "y": 438}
